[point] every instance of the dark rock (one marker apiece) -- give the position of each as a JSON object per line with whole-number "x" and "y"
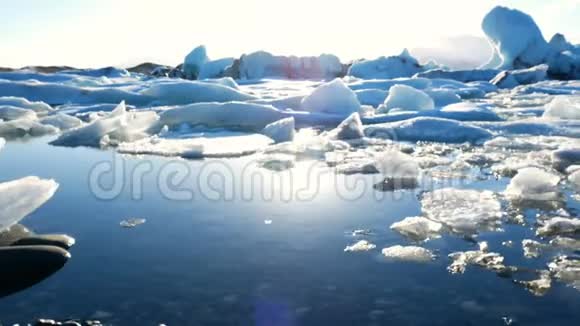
{"x": 25, "y": 266}
{"x": 58, "y": 240}
{"x": 151, "y": 69}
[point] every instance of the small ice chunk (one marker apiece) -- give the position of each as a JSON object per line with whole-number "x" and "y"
{"x": 533, "y": 184}
{"x": 2, "y": 143}
{"x": 24, "y": 127}
{"x": 333, "y": 97}
{"x": 563, "y": 107}
{"x": 489, "y": 260}
{"x": 418, "y": 228}
{"x": 362, "y": 245}
{"x": 132, "y": 222}
{"x": 350, "y": 128}
{"x": 559, "y": 225}
{"x": 360, "y": 166}
{"x": 281, "y": 130}
{"x": 396, "y": 164}
{"x": 21, "y": 197}
{"x": 408, "y": 253}
{"x": 532, "y": 249}
{"x": 462, "y": 210}
{"x": 406, "y": 98}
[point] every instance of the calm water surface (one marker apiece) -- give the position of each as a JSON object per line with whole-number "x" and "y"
{"x": 217, "y": 262}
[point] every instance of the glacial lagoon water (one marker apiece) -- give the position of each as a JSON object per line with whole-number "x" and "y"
{"x": 221, "y": 259}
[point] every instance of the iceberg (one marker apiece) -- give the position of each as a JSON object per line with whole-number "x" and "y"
{"x": 533, "y": 184}
{"x": 262, "y": 64}
{"x": 516, "y": 39}
{"x": 350, "y": 128}
{"x": 428, "y": 129}
{"x": 119, "y": 126}
{"x": 403, "y": 65}
{"x": 406, "y": 98}
{"x": 464, "y": 76}
{"x": 237, "y": 115}
{"x": 25, "y": 127}
{"x": 408, "y": 253}
{"x": 333, "y": 98}
{"x": 21, "y": 197}
{"x": 61, "y": 121}
{"x": 513, "y": 78}
{"x": 214, "y": 68}
{"x": 567, "y": 270}
{"x": 280, "y": 131}
{"x": 194, "y": 61}
{"x": 187, "y": 92}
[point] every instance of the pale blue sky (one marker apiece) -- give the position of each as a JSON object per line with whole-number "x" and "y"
{"x": 123, "y": 32}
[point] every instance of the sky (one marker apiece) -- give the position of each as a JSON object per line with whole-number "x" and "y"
{"x": 93, "y": 33}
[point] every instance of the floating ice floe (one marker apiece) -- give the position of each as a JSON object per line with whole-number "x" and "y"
{"x": 362, "y": 245}
{"x": 482, "y": 257}
{"x": 418, "y": 228}
{"x": 463, "y": 211}
{"x": 532, "y": 248}
{"x": 119, "y": 126}
{"x": 565, "y": 243}
{"x": 280, "y": 131}
{"x": 533, "y": 184}
{"x": 332, "y": 98}
{"x": 563, "y": 107}
{"x": 429, "y": 129}
{"x": 574, "y": 179}
{"x": 396, "y": 164}
{"x": 132, "y": 222}
{"x": 406, "y": 98}
{"x": 237, "y": 115}
{"x": 218, "y": 144}
{"x": 559, "y": 226}
{"x": 21, "y": 197}
{"x": 23, "y": 127}
{"x": 408, "y": 253}
{"x": 566, "y": 269}
{"x": 539, "y": 286}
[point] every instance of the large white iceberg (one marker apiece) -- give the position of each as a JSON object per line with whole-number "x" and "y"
{"x": 262, "y": 64}
{"x": 403, "y": 65}
{"x": 333, "y": 97}
{"x": 194, "y": 61}
{"x": 516, "y": 39}
{"x": 21, "y": 197}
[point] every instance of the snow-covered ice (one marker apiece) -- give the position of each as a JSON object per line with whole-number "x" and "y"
{"x": 559, "y": 226}
{"x": 362, "y": 245}
{"x": 564, "y": 107}
{"x": 418, "y": 228}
